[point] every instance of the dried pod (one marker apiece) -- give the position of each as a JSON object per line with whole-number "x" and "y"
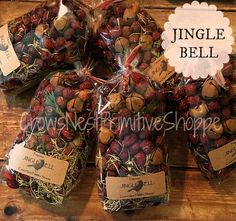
{"x": 214, "y": 131}
{"x": 198, "y": 111}
{"x": 105, "y": 135}
{"x": 121, "y": 44}
{"x": 56, "y": 79}
{"x": 60, "y": 23}
{"x": 146, "y": 42}
{"x": 157, "y": 158}
{"x": 230, "y": 125}
{"x": 116, "y": 101}
{"x": 131, "y": 12}
{"x": 210, "y": 89}
{"x": 135, "y": 102}
{"x": 101, "y": 162}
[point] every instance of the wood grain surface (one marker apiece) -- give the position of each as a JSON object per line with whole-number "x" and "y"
{"x": 192, "y": 197}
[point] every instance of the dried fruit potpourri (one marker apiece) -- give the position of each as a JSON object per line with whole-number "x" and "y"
{"x": 51, "y": 150}
{"x": 210, "y": 107}
{"x": 46, "y": 38}
{"x": 131, "y": 160}
{"x": 123, "y": 25}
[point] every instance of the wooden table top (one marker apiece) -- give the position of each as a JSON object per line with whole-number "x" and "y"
{"x": 192, "y": 196}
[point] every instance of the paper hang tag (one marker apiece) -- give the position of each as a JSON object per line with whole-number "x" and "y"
{"x": 37, "y": 165}
{"x": 223, "y": 156}
{"x": 134, "y": 187}
{"x": 8, "y": 58}
{"x": 160, "y": 71}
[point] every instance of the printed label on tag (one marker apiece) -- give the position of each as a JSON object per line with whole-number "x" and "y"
{"x": 134, "y": 187}
{"x": 37, "y": 165}
{"x": 160, "y": 71}
{"x": 8, "y": 58}
{"x": 223, "y": 156}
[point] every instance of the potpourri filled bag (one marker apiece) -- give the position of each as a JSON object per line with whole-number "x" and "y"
{"x": 120, "y": 26}
{"x": 51, "y": 150}
{"x": 209, "y": 109}
{"x": 49, "y": 37}
{"x": 131, "y": 160}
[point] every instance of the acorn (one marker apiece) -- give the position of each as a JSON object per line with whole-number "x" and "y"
{"x": 210, "y": 89}
{"x": 135, "y": 102}
{"x": 198, "y": 111}
{"x": 60, "y": 23}
{"x": 157, "y": 157}
{"x": 105, "y": 135}
{"x": 101, "y": 162}
{"x": 121, "y": 44}
{"x": 116, "y": 101}
{"x": 230, "y": 125}
{"x": 214, "y": 131}
{"x": 131, "y": 12}
{"x": 146, "y": 42}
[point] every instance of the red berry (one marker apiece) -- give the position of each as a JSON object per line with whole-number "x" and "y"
{"x": 101, "y": 43}
{"x": 49, "y": 88}
{"x": 49, "y": 146}
{"x": 48, "y": 43}
{"x": 8, "y": 175}
{"x": 86, "y": 85}
{"x": 129, "y": 140}
{"x": 45, "y": 139}
{"x": 68, "y": 150}
{"x": 190, "y": 89}
{"x": 134, "y": 149}
{"x": 226, "y": 112}
{"x": 146, "y": 146}
{"x": 13, "y": 184}
{"x": 126, "y": 31}
{"x": 213, "y": 106}
{"x": 136, "y": 27}
{"x": 124, "y": 155}
{"x": 58, "y": 57}
{"x": 61, "y": 102}
{"x": 38, "y": 109}
{"x": 53, "y": 133}
{"x": 156, "y": 35}
{"x": 193, "y": 138}
{"x": 68, "y": 134}
{"x": 140, "y": 160}
{"x": 68, "y": 93}
{"x": 60, "y": 43}
{"x": 68, "y": 34}
{"x": 134, "y": 38}
{"x": 115, "y": 147}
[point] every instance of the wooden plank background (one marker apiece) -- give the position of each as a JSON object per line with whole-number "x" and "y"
{"x": 192, "y": 197}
